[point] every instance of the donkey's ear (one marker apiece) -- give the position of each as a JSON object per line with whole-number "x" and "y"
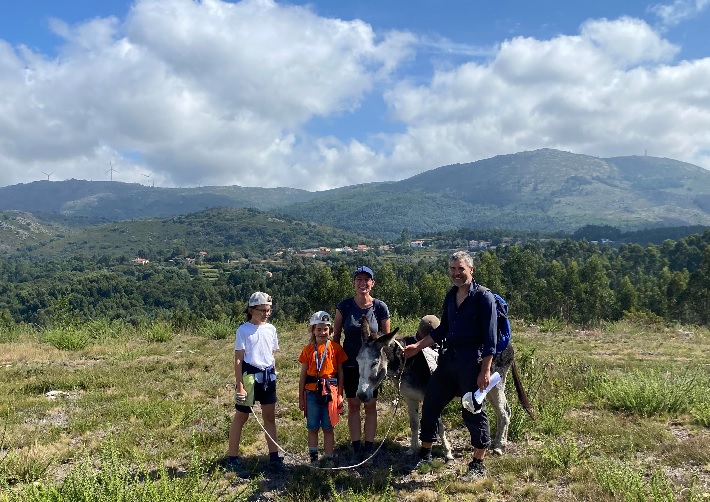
{"x": 386, "y": 339}
{"x": 365, "y": 328}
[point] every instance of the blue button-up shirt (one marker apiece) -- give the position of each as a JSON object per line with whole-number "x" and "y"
{"x": 471, "y": 325}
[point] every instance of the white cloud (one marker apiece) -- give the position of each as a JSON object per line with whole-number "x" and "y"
{"x": 611, "y": 90}
{"x": 678, "y": 11}
{"x": 203, "y": 90}
{"x": 224, "y": 93}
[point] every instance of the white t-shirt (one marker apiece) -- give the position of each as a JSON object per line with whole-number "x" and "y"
{"x": 258, "y": 344}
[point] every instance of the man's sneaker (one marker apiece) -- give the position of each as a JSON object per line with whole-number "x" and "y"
{"x": 422, "y": 462}
{"x": 476, "y": 470}
{"x": 234, "y": 464}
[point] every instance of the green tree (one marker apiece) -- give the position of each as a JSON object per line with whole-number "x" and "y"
{"x": 322, "y": 294}
{"x": 626, "y": 296}
{"x": 551, "y": 303}
{"x": 390, "y": 288}
{"x": 573, "y": 294}
{"x": 598, "y": 297}
{"x": 489, "y": 272}
{"x": 432, "y": 291}
{"x": 698, "y": 298}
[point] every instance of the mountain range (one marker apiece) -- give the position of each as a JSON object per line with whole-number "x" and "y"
{"x": 545, "y": 189}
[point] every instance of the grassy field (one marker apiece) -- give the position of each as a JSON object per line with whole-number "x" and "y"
{"x": 106, "y": 411}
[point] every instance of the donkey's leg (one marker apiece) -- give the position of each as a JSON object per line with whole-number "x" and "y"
{"x": 500, "y": 406}
{"x": 444, "y": 441}
{"x": 413, "y": 410}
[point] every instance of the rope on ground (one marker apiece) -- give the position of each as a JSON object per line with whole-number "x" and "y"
{"x": 344, "y": 467}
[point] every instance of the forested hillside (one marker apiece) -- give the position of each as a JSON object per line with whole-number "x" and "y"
{"x": 100, "y": 201}
{"x": 225, "y": 233}
{"x": 544, "y": 190}
{"x": 572, "y": 281}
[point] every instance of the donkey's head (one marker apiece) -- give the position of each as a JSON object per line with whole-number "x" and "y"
{"x": 373, "y": 360}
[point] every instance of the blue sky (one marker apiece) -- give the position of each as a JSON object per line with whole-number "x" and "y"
{"x": 329, "y": 93}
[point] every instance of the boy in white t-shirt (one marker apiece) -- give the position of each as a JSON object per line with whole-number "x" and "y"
{"x": 255, "y": 376}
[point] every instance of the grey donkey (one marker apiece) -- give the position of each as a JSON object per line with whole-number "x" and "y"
{"x": 382, "y": 356}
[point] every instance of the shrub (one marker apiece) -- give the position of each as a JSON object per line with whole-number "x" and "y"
{"x": 647, "y": 393}
{"x": 66, "y": 337}
{"x": 215, "y": 330}
{"x": 159, "y": 331}
{"x": 552, "y": 325}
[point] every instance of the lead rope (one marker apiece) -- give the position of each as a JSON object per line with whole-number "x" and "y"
{"x": 346, "y": 467}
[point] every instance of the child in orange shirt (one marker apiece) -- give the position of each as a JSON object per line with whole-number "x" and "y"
{"x": 321, "y": 385}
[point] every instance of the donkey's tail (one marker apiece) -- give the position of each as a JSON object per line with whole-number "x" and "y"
{"x": 521, "y": 392}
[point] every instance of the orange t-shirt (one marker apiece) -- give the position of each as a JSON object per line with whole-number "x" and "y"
{"x": 334, "y": 358}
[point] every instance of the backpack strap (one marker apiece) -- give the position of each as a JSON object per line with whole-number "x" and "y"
{"x": 481, "y": 289}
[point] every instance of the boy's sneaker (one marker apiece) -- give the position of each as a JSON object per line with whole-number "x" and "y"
{"x": 276, "y": 466}
{"x": 234, "y": 464}
{"x": 476, "y": 470}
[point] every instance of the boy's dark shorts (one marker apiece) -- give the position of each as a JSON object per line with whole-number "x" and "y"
{"x": 267, "y": 396}
{"x": 351, "y": 378}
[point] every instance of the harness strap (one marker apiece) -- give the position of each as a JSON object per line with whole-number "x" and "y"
{"x": 314, "y": 379}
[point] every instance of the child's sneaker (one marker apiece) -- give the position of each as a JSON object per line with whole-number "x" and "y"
{"x": 234, "y": 464}
{"x": 327, "y": 462}
{"x": 276, "y": 466}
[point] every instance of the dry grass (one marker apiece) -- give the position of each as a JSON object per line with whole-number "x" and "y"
{"x": 158, "y": 404}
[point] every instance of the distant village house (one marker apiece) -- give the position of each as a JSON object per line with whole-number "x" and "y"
{"x": 474, "y": 244}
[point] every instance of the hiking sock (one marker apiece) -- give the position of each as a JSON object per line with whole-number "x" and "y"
{"x": 369, "y": 446}
{"x": 356, "y": 446}
{"x": 425, "y": 453}
{"x": 274, "y": 456}
{"x": 313, "y": 453}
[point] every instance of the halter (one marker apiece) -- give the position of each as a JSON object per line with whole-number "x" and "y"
{"x": 402, "y": 362}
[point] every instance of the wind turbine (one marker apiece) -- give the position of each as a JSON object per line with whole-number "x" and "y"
{"x": 146, "y": 175}
{"x": 48, "y": 174}
{"x": 111, "y": 170}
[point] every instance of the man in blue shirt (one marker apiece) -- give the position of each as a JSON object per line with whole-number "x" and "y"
{"x": 468, "y": 335}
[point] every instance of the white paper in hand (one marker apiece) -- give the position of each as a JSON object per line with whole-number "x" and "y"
{"x": 468, "y": 398}
{"x": 480, "y": 395}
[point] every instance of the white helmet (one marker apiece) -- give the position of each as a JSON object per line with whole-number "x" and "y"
{"x": 320, "y": 317}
